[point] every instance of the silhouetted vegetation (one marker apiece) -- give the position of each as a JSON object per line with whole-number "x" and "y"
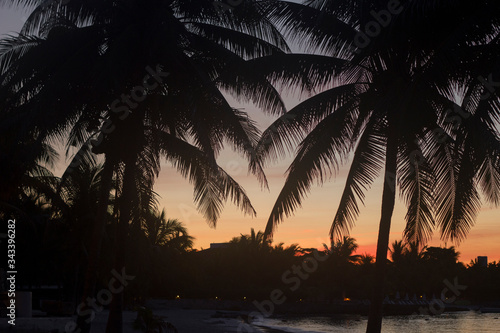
{"x": 407, "y": 88}
{"x": 249, "y": 267}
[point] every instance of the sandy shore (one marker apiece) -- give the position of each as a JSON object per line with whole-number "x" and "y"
{"x": 203, "y": 320}
{"x": 185, "y": 320}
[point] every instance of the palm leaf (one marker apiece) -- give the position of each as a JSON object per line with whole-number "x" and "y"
{"x": 312, "y": 28}
{"x": 322, "y": 151}
{"x": 366, "y": 164}
{"x": 417, "y": 183}
{"x": 289, "y": 129}
{"x": 212, "y": 186}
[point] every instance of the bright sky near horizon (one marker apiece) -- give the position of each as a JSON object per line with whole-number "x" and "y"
{"x": 311, "y": 223}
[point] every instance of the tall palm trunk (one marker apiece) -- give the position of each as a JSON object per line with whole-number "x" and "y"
{"x": 388, "y": 200}
{"x": 85, "y": 312}
{"x": 115, "y": 319}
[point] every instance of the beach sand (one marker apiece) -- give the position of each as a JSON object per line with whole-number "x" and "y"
{"x": 203, "y": 320}
{"x": 185, "y": 320}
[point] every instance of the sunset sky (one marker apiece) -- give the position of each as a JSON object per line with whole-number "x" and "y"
{"x": 311, "y": 223}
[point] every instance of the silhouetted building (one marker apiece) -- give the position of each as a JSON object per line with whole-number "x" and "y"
{"x": 482, "y": 261}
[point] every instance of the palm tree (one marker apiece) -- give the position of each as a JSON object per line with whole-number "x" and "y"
{"x": 397, "y": 251}
{"x": 200, "y": 49}
{"x": 166, "y": 232}
{"x": 289, "y": 251}
{"x": 439, "y": 263}
{"x": 366, "y": 259}
{"x": 75, "y": 204}
{"x": 444, "y": 256}
{"x": 24, "y": 160}
{"x": 342, "y": 262}
{"x": 384, "y": 102}
{"x": 343, "y": 250}
{"x": 32, "y": 69}
{"x": 29, "y": 205}
{"x": 408, "y": 269}
{"x": 253, "y": 242}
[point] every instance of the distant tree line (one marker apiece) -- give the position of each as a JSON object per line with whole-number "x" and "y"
{"x": 248, "y": 267}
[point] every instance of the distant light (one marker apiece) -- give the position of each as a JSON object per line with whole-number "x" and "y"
{"x": 346, "y": 299}
{"x": 216, "y": 297}
{"x": 300, "y": 300}
{"x": 177, "y": 297}
{"x": 244, "y": 298}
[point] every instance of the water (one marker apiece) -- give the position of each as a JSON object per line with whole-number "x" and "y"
{"x": 457, "y": 322}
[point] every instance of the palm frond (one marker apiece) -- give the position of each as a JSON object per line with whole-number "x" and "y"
{"x": 366, "y": 164}
{"x": 319, "y": 154}
{"x": 302, "y": 72}
{"x": 14, "y": 47}
{"x": 466, "y": 204}
{"x": 212, "y": 186}
{"x": 417, "y": 182}
{"x": 243, "y": 45}
{"x": 313, "y": 28}
{"x": 489, "y": 179}
{"x": 288, "y": 130}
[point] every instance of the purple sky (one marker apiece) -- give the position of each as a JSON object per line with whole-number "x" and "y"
{"x": 11, "y": 20}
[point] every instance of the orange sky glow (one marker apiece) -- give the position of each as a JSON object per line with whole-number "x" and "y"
{"x": 310, "y": 224}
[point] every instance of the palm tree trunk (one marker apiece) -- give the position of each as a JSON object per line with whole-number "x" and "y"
{"x": 388, "y": 200}
{"x": 85, "y": 312}
{"x": 115, "y": 319}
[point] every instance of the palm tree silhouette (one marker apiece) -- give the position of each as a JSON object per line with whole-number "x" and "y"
{"x": 255, "y": 242}
{"x": 343, "y": 250}
{"x": 341, "y": 261}
{"x": 107, "y": 48}
{"x": 384, "y": 101}
{"x": 397, "y": 251}
{"x": 161, "y": 231}
{"x": 22, "y": 159}
{"x": 366, "y": 259}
